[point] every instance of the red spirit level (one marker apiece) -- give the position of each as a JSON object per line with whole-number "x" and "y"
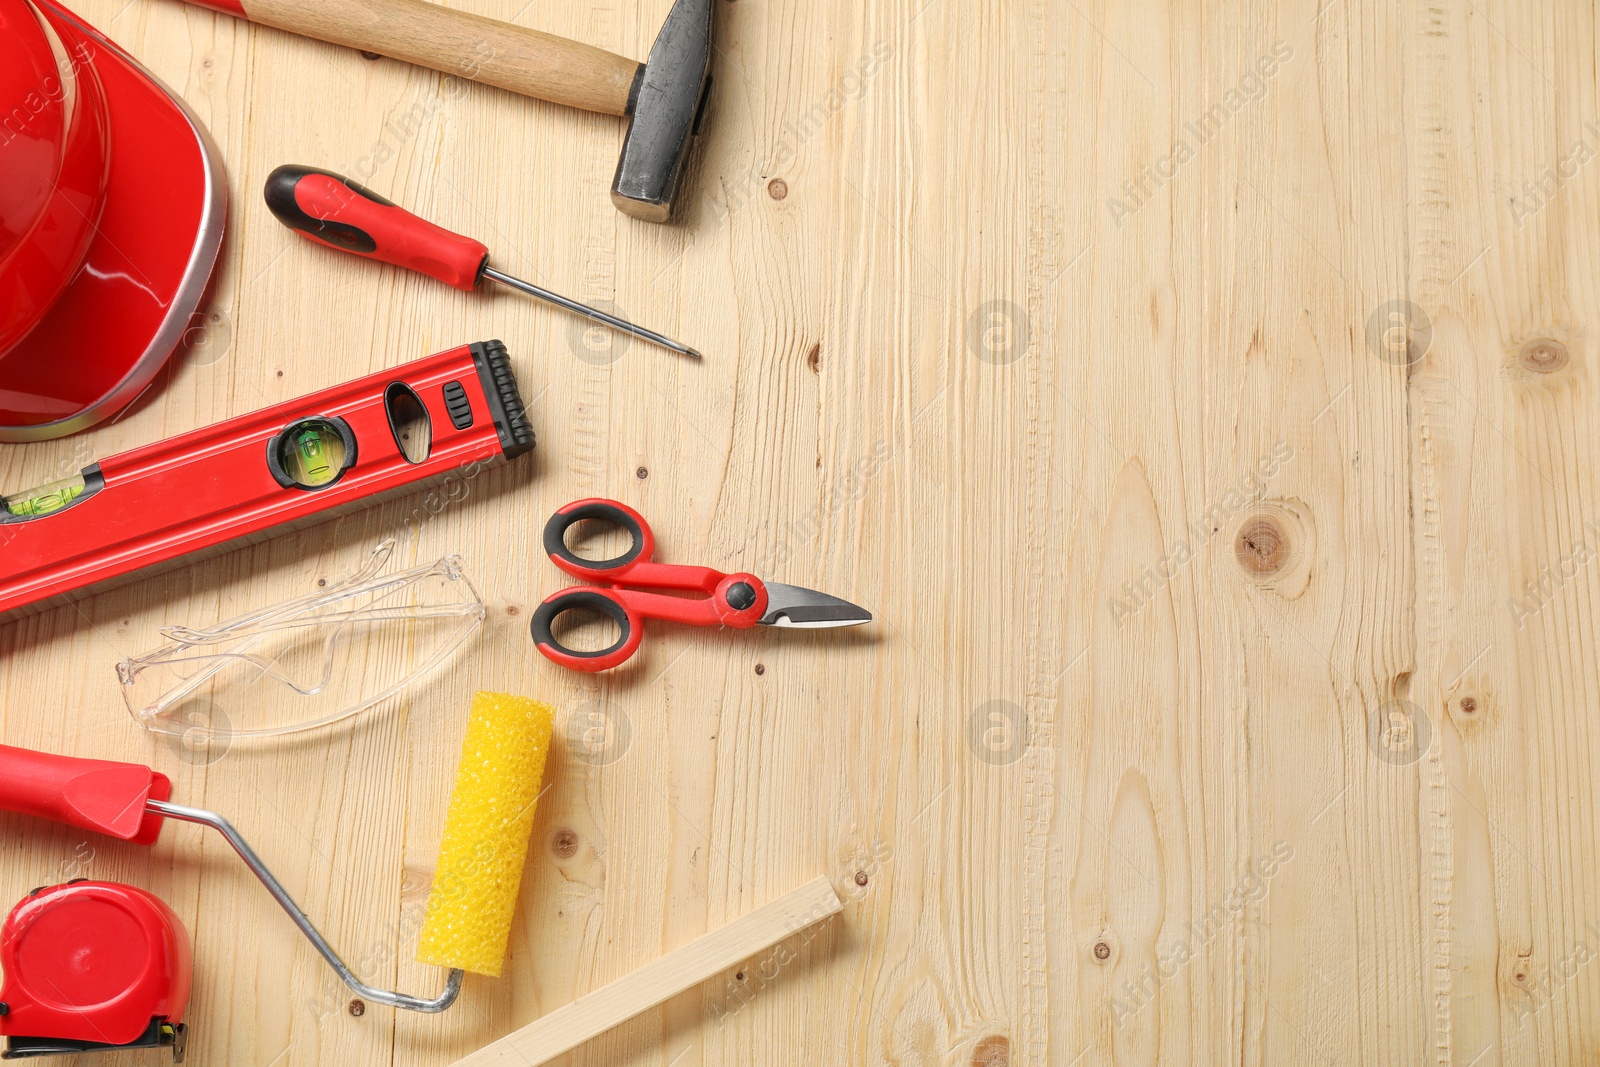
{"x": 93, "y": 967}
{"x": 304, "y": 461}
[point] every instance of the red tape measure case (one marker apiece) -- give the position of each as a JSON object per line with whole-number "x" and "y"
{"x": 90, "y": 965}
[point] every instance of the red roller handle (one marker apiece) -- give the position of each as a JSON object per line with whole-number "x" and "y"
{"x": 339, "y": 213}
{"x": 91, "y": 794}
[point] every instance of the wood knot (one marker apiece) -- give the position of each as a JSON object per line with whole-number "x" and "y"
{"x": 992, "y": 1051}
{"x": 415, "y": 883}
{"x": 564, "y": 843}
{"x": 357, "y": 1008}
{"x": 1102, "y": 951}
{"x": 777, "y": 188}
{"x": 1275, "y": 545}
{"x": 1543, "y": 355}
{"x": 1521, "y": 969}
{"x": 1261, "y": 546}
{"x": 861, "y": 878}
{"x": 1470, "y": 711}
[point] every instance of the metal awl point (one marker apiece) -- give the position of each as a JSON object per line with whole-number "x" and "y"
{"x": 593, "y": 313}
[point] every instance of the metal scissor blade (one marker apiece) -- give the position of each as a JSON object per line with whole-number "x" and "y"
{"x": 790, "y": 605}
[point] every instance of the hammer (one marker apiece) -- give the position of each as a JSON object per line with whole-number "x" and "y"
{"x": 663, "y": 97}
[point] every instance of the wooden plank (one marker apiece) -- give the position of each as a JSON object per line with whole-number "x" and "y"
{"x": 688, "y": 965}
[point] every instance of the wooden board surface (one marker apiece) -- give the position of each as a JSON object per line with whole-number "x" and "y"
{"x": 668, "y": 975}
{"x": 1199, "y": 393}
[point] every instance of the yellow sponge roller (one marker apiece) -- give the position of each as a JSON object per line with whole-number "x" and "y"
{"x": 486, "y": 834}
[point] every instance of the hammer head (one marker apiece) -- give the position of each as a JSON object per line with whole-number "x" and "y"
{"x": 668, "y": 97}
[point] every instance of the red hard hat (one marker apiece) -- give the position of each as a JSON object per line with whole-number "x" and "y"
{"x": 112, "y": 203}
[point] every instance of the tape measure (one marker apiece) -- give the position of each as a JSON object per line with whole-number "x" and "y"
{"x": 303, "y": 461}
{"x": 92, "y": 967}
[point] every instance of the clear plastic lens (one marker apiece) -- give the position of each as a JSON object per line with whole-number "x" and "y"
{"x": 308, "y": 662}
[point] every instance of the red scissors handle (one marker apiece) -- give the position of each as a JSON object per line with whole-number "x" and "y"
{"x": 737, "y": 600}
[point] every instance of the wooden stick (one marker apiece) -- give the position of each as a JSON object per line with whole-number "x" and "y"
{"x": 594, "y": 1013}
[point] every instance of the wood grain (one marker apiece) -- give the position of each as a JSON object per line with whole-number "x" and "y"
{"x": 1233, "y": 689}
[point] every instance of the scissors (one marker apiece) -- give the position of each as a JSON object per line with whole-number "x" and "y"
{"x": 737, "y": 600}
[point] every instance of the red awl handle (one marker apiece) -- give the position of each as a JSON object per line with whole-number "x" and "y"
{"x": 90, "y": 794}
{"x": 337, "y": 212}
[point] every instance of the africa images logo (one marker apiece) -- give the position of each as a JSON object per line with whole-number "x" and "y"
{"x": 1195, "y": 133}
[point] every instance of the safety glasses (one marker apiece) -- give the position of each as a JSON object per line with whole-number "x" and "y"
{"x": 305, "y": 663}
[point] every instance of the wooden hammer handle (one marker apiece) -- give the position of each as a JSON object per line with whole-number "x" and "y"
{"x": 459, "y": 43}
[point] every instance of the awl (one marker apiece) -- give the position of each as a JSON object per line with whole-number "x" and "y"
{"x": 339, "y": 213}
